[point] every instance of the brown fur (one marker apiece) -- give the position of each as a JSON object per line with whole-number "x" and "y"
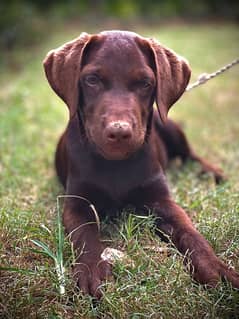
{"x": 116, "y": 147}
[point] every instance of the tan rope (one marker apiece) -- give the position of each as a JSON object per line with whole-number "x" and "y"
{"x": 203, "y": 78}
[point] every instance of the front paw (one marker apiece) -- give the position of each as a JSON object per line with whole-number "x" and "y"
{"x": 89, "y": 274}
{"x": 211, "y": 270}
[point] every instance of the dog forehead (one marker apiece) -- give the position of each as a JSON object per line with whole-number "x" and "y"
{"x": 121, "y": 44}
{"x": 119, "y": 40}
{"x": 120, "y": 34}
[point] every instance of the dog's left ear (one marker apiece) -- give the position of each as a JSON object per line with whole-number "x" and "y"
{"x": 172, "y": 73}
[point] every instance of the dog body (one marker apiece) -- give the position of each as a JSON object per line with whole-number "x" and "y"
{"x": 116, "y": 146}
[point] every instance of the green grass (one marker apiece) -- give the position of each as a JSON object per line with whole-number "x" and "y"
{"x": 147, "y": 284}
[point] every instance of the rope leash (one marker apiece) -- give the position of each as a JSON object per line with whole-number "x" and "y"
{"x": 203, "y": 78}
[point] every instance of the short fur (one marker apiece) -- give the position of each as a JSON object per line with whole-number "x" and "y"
{"x": 116, "y": 146}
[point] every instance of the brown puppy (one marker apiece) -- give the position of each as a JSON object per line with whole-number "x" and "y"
{"x": 116, "y": 147}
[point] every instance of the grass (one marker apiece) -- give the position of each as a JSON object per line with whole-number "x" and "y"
{"x": 147, "y": 284}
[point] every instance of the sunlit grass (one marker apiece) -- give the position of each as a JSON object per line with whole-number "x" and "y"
{"x": 147, "y": 284}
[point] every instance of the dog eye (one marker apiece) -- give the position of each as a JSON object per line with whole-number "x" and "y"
{"x": 145, "y": 84}
{"x": 92, "y": 80}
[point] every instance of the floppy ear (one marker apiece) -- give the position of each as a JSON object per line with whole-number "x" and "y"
{"x": 62, "y": 68}
{"x": 172, "y": 73}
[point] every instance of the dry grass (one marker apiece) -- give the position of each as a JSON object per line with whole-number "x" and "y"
{"x": 150, "y": 285}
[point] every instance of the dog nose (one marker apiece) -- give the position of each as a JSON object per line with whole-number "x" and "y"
{"x": 118, "y": 131}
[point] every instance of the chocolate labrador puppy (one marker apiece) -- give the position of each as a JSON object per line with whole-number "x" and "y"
{"x": 116, "y": 146}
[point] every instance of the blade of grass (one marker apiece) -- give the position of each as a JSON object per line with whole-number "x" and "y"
{"x": 18, "y": 270}
{"x": 57, "y": 256}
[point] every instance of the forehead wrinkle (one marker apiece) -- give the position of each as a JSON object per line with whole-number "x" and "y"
{"x": 119, "y": 55}
{"x": 120, "y": 45}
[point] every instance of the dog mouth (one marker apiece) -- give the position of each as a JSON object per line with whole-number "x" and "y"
{"x": 116, "y": 152}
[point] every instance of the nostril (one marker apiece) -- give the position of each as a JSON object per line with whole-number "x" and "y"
{"x": 112, "y": 136}
{"x": 126, "y": 135}
{"x": 118, "y": 132}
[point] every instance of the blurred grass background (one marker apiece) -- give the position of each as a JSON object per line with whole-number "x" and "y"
{"x": 32, "y": 118}
{"x": 25, "y": 22}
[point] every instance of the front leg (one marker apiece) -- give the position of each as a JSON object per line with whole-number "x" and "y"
{"x": 81, "y": 225}
{"x": 205, "y": 266}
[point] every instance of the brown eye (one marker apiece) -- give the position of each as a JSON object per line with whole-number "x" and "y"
{"x": 92, "y": 80}
{"x": 145, "y": 84}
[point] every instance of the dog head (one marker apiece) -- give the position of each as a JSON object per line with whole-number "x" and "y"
{"x": 111, "y": 80}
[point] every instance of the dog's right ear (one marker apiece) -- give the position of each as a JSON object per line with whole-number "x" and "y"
{"x": 62, "y": 68}
{"x": 172, "y": 73}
